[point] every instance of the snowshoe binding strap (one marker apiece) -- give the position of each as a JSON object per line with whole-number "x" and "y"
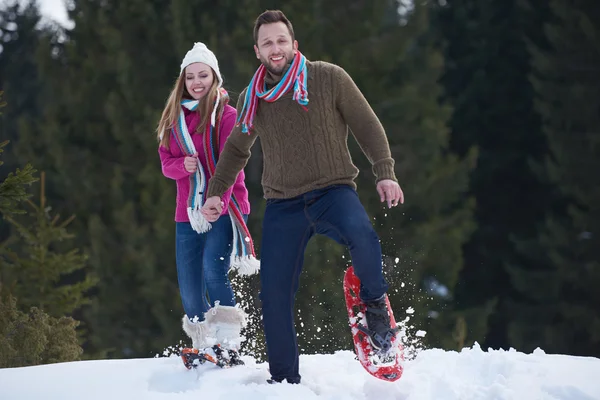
{"x": 381, "y": 342}
{"x": 229, "y": 357}
{"x": 221, "y": 358}
{"x": 192, "y": 358}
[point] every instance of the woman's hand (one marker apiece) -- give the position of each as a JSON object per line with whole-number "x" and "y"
{"x": 191, "y": 163}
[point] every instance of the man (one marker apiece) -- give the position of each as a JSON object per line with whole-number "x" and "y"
{"x": 302, "y": 111}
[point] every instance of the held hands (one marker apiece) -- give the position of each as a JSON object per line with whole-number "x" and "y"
{"x": 212, "y": 208}
{"x": 191, "y": 163}
{"x": 390, "y": 191}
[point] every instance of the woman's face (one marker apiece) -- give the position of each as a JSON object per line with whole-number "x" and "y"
{"x": 198, "y": 79}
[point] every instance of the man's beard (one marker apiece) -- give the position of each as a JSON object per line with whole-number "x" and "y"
{"x": 277, "y": 70}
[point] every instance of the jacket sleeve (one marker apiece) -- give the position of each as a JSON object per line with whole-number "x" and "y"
{"x": 227, "y": 125}
{"x": 364, "y": 124}
{"x": 172, "y": 167}
{"x": 233, "y": 158}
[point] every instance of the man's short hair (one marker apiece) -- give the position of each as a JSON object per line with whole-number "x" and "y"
{"x": 271, "y": 17}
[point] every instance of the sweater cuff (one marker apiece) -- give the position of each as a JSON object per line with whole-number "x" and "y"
{"x": 215, "y": 189}
{"x": 384, "y": 169}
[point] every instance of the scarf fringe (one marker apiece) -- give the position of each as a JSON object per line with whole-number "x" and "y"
{"x": 245, "y": 265}
{"x": 198, "y": 221}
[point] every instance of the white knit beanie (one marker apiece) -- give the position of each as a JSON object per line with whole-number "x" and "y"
{"x": 201, "y": 53}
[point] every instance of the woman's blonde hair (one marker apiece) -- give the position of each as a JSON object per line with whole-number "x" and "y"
{"x": 173, "y": 106}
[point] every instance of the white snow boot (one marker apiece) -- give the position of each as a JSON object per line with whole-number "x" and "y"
{"x": 226, "y": 323}
{"x": 199, "y": 332}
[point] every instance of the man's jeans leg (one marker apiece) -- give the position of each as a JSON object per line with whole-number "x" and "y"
{"x": 338, "y": 213}
{"x": 286, "y": 232}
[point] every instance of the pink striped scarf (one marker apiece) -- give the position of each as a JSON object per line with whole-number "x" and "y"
{"x": 295, "y": 77}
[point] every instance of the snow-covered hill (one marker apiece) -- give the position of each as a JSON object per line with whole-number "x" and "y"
{"x": 434, "y": 375}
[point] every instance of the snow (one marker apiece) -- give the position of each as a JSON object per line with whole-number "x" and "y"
{"x": 471, "y": 374}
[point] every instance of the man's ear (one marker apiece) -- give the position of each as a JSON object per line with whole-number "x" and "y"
{"x": 295, "y": 46}
{"x": 256, "y": 52}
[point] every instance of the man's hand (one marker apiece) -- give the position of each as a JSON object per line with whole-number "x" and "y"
{"x": 212, "y": 208}
{"x": 191, "y": 163}
{"x": 390, "y": 191}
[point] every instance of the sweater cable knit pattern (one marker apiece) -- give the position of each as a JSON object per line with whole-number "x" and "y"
{"x": 305, "y": 151}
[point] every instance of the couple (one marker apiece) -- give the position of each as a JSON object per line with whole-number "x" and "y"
{"x": 301, "y": 110}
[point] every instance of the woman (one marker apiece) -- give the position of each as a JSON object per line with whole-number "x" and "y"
{"x": 192, "y": 131}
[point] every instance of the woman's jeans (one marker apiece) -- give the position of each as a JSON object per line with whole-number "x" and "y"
{"x": 203, "y": 261}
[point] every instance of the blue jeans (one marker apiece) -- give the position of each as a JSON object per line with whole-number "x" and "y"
{"x": 288, "y": 225}
{"x": 203, "y": 261}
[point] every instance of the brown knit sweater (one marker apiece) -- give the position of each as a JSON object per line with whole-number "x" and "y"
{"x": 307, "y": 150}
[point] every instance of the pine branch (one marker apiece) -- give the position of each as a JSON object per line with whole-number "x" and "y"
{"x": 13, "y": 188}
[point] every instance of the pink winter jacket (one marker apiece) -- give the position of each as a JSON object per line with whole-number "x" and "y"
{"x": 172, "y": 164}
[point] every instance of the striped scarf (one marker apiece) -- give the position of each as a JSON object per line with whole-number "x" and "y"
{"x": 257, "y": 89}
{"x": 243, "y": 257}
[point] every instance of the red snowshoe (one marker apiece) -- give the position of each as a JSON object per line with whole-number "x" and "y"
{"x": 381, "y": 354}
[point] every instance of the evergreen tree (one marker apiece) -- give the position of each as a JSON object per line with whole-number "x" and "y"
{"x": 486, "y": 82}
{"x": 37, "y": 271}
{"x": 19, "y": 79}
{"x": 35, "y": 338}
{"x": 13, "y": 187}
{"x": 557, "y": 303}
{"x": 423, "y": 243}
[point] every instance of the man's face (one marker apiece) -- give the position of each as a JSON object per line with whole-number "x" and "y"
{"x": 275, "y": 47}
